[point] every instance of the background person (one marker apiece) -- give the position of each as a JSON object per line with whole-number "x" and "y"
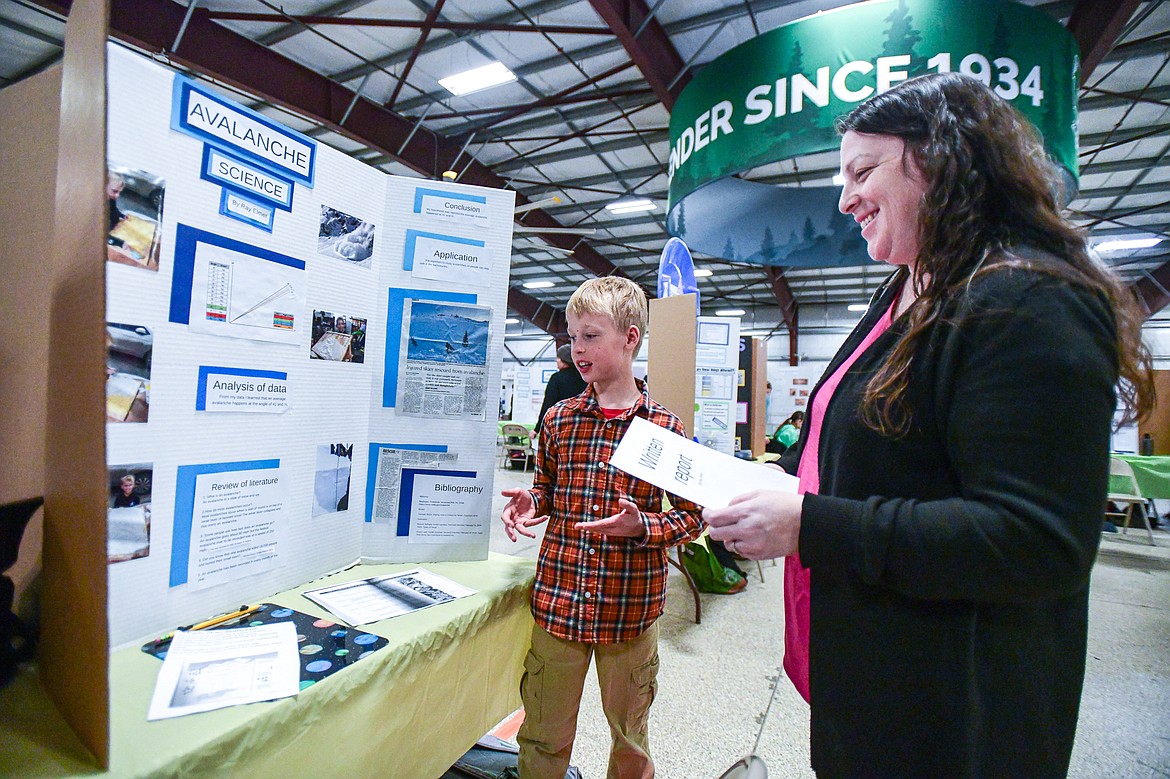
{"x": 601, "y": 574}
{"x": 562, "y": 385}
{"x": 955, "y": 461}
{"x": 786, "y": 433}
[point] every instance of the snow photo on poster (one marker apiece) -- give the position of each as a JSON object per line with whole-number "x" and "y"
{"x": 443, "y": 370}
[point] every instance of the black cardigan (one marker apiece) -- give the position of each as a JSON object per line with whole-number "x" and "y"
{"x": 950, "y": 567}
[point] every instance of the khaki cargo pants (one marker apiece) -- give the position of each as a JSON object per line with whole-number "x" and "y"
{"x": 554, "y": 675}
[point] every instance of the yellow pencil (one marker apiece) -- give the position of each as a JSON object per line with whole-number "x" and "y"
{"x": 210, "y": 623}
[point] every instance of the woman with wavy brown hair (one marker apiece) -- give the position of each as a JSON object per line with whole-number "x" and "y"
{"x": 954, "y": 462}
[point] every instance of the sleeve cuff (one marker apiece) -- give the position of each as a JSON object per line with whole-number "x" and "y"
{"x": 830, "y": 530}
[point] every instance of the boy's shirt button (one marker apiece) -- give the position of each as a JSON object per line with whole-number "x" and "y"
{"x": 592, "y": 550}
{"x": 596, "y": 507}
{"x": 588, "y": 595}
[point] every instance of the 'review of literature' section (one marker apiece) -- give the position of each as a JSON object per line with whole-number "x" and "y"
{"x": 299, "y": 348}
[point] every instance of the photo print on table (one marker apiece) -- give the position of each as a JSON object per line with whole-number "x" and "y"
{"x": 346, "y": 238}
{"x": 134, "y": 207}
{"x": 331, "y": 479}
{"x": 129, "y": 349}
{"x": 338, "y": 337}
{"x": 128, "y": 512}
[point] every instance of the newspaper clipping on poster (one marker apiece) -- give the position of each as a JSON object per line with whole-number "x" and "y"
{"x": 443, "y": 360}
{"x": 388, "y": 478}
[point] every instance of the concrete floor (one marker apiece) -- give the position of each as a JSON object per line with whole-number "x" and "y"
{"x": 715, "y": 677}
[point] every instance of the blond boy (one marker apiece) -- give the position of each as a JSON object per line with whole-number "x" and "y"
{"x": 601, "y": 575}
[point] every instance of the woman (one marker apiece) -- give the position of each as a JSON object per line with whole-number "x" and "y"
{"x": 955, "y": 461}
{"x": 789, "y": 430}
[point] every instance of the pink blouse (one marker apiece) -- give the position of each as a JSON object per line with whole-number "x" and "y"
{"x": 796, "y": 576}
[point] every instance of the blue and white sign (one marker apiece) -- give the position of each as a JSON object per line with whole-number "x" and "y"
{"x": 241, "y": 390}
{"x": 236, "y": 206}
{"x": 199, "y": 112}
{"x": 247, "y": 179}
{"x": 447, "y": 258}
{"x": 458, "y": 208}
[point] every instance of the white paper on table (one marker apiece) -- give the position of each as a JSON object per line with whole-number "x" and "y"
{"x": 690, "y": 470}
{"x": 212, "y": 669}
{"x": 381, "y": 597}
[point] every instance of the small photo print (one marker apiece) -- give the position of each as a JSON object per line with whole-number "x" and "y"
{"x": 800, "y": 382}
{"x": 134, "y": 200}
{"x": 799, "y": 402}
{"x": 449, "y": 334}
{"x": 804, "y": 393}
{"x": 128, "y": 512}
{"x": 129, "y": 348}
{"x": 346, "y": 238}
{"x": 338, "y": 337}
{"x": 331, "y": 482}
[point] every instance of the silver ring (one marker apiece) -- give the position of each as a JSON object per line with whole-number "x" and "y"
{"x": 731, "y": 546}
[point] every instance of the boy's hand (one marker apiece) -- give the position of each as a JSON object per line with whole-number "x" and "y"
{"x": 520, "y": 513}
{"x": 627, "y": 523}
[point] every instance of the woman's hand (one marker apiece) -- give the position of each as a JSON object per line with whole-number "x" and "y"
{"x": 759, "y": 525}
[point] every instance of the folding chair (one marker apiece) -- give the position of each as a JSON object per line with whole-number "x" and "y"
{"x": 517, "y": 439}
{"x": 1129, "y": 498}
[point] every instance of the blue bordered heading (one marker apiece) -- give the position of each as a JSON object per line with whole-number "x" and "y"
{"x": 252, "y": 181}
{"x": 412, "y": 237}
{"x": 206, "y": 371}
{"x": 421, "y": 192}
{"x": 202, "y": 114}
{"x": 235, "y": 206}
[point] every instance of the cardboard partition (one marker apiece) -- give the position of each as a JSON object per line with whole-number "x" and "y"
{"x": 759, "y": 352}
{"x": 28, "y": 158}
{"x": 74, "y": 652}
{"x": 671, "y": 358}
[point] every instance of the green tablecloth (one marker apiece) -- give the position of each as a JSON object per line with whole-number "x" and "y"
{"x": 500, "y": 429}
{"x": 1152, "y": 474}
{"x": 408, "y": 711}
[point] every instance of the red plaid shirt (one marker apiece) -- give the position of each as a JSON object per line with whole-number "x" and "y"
{"x": 590, "y": 587}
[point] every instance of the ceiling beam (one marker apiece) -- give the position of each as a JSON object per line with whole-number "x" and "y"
{"x": 1097, "y": 24}
{"x": 648, "y": 45}
{"x": 211, "y": 48}
{"x": 1153, "y": 290}
{"x": 410, "y": 24}
{"x": 547, "y": 317}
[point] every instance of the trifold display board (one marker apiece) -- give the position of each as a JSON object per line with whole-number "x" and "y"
{"x": 303, "y": 356}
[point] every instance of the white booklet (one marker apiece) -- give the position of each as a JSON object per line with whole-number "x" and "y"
{"x": 380, "y": 597}
{"x": 690, "y": 470}
{"x": 211, "y": 669}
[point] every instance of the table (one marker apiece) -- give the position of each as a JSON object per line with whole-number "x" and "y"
{"x": 1152, "y": 474}
{"x": 449, "y": 673}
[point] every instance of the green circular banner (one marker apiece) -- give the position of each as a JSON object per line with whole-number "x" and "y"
{"x": 778, "y": 95}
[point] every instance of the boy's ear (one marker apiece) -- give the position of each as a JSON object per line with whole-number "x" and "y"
{"x": 633, "y": 335}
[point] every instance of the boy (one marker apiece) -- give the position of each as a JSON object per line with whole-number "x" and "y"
{"x": 601, "y": 575}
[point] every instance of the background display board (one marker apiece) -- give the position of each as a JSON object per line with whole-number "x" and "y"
{"x": 303, "y": 356}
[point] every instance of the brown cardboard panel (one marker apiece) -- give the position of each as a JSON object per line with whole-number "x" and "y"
{"x": 759, "y": 394}
{"x": 1158, "y": 423}
{"x": 670, "y": 362}
{"x": 74, "y": 654}
{"x": 28, "y": 155}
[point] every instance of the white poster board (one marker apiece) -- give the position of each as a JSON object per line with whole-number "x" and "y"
{"x": 261, "y": 291}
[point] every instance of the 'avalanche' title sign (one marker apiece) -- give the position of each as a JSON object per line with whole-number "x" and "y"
{"x": 198, "y": 112}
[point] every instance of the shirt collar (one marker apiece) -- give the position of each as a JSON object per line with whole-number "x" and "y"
{"x": 586, "y": 403}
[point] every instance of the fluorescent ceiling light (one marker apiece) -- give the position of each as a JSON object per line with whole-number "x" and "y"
{"x": 1127, "y": 243}
{"x": 630, "y": 206}
{"x": 702, "y": 273}
{"x": 838, "y": 180}
{"x": 477, "y": 78}
{"x": 511, "y": 321}
{"x": 858, "y": 307}
{"x": 538, "y": 284}
{"x": 730, "y": 312}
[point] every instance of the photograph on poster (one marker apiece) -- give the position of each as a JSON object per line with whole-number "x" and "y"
{"x": 331, "y": 482}
{"x": 338, "y": 337}
{"x": 128, "y": 512}
{"x": 135, "y": 202}
{"x": 385, "y": 476}
{"x": 346, "y": 238}
{"x": 445, "y": 367}
{"x": 800, "y": 381}
{"x": 129, "y": 349}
